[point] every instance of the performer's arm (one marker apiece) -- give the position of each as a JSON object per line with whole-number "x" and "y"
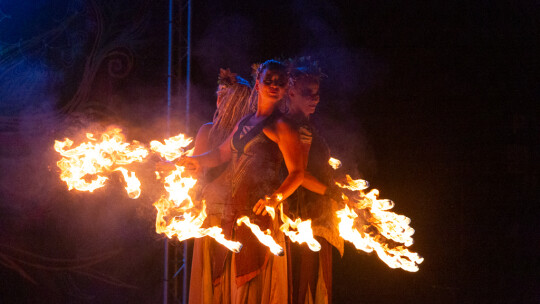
{"x": 201, "y": 140}
{"x": 211, "y": 158}
{"x": 313, "y": 184}
{"x": 289, "y": 144}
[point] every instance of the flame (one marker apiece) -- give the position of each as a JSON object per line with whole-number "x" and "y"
{"x": 334, "y": 163}
{"x": 133, "y": 187}
{"x": 389, "y": 225}
{"x": 303, "y": 233}
{"x": 178, "y": 207}
{"x": 94, "y": 158}
{"x": 84, "y": 168}
{"x": 354, "y": 184}
{"x": 397, "y": 257}
{"x": 264, "y": 237}
{"x": 185, "y": 225}
{"x": 173, "y": 147}
{"x": 178, "y": 188}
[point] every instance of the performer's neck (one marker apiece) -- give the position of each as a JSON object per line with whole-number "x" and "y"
{"x": 265, "y": 108}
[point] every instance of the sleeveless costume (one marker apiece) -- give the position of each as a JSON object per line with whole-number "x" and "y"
{"x": 254, "y": 275}
{"x": 312, "y": 271}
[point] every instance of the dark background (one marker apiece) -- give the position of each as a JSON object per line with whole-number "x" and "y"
{"x": 432, "y": 102}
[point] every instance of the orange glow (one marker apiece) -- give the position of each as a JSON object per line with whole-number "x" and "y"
{"x": 177, "y": 215}
{"x": 365, "y": 220}
{"x": 173, "y": 147}
{"x": 264, "y": 237}
{"x": 389, "y": 225}
{"x": 91, "y": 160}
{"x": 334, "y": 163}
{"x": 302, "y": 232}
{"x": 133, "y": 187}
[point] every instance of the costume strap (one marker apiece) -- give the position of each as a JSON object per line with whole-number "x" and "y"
{"x": 240, "y": 143}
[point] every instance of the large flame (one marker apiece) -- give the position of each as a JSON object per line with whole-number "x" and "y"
{"x": 389, "y": 225}
{"x": 83, "y": 167}
{"x": 177, "y": 215}
{"x": 185, "y": 225}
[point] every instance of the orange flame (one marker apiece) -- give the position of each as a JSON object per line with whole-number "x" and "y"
{"x": 303, "y": 233}
{"x": 334, "y": 163}
{"x": 354, "y": 184}
{"x": 93, "y": 158}
{"x": 133, "y": 186}
{"x": 84, "y": 166}
{"x": 173, "y": 147}
{"x": 264, "y": 237}
{"x": 185, "y": 225}
{"x": 389, "y": 225}
{"x": 178, "y": 207}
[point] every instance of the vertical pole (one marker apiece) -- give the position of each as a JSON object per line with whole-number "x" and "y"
{"x": 169, "y": 87}
{"x": 188, "y": 65}
{"x": 188, "y": 100}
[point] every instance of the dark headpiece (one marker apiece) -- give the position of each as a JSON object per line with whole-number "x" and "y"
{"x": 271, "y": 64}
{"x": 304, "y": 67}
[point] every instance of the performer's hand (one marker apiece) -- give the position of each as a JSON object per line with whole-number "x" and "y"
{"x": 260, "y": 207}
{"x": 351, "y": 194}
{"x": 191, "y": 164}
{"x": 165, "y": 166}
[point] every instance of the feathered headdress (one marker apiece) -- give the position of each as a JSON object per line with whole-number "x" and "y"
{"x": 226, "y": 78}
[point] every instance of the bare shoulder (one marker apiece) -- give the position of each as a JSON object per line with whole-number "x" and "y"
{"x": 279, "y": 129}
{"x": 205, "y": 129}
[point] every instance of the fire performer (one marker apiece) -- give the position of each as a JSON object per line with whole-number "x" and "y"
{"x": 258, "y": 145}
{"x": 312, "y": 271}
{"x": 232, "y": 104}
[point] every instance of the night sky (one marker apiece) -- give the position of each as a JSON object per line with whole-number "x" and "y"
{"x": 432, "y": 102}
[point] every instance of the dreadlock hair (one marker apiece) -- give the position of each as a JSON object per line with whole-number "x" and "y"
{"x": 234, "y": 95}
{"x": 258, "y": 69}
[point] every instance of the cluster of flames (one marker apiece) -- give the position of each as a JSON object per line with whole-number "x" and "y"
{"x": 85, "y": 168}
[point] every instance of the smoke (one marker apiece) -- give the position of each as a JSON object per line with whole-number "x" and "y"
{"x": 78, "y": 246}
{"x": 352, "y": 72}
{"x": 86, "y": 82}
{"x": 225, "y": 43}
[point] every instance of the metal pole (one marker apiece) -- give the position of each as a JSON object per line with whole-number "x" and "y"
{"x": 169, "y": 87}
{"x": 188, "y": 100}
{"x": 188, "y": 65}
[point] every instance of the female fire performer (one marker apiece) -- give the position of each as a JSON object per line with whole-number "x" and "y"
{"x": 232, "y": 104}
{"x": 312, "y": 271}
{"x": 258, "y": 145}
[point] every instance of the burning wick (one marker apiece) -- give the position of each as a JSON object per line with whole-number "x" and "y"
{"x": 264, "y": 237}
{"x": 334, "y": 163}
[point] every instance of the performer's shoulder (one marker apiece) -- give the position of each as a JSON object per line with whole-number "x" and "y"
{"x": 205, "y": 128}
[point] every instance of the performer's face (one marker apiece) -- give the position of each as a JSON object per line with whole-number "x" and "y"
{"x": 272, "y": 85}
{"x": 304, "y": 97}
